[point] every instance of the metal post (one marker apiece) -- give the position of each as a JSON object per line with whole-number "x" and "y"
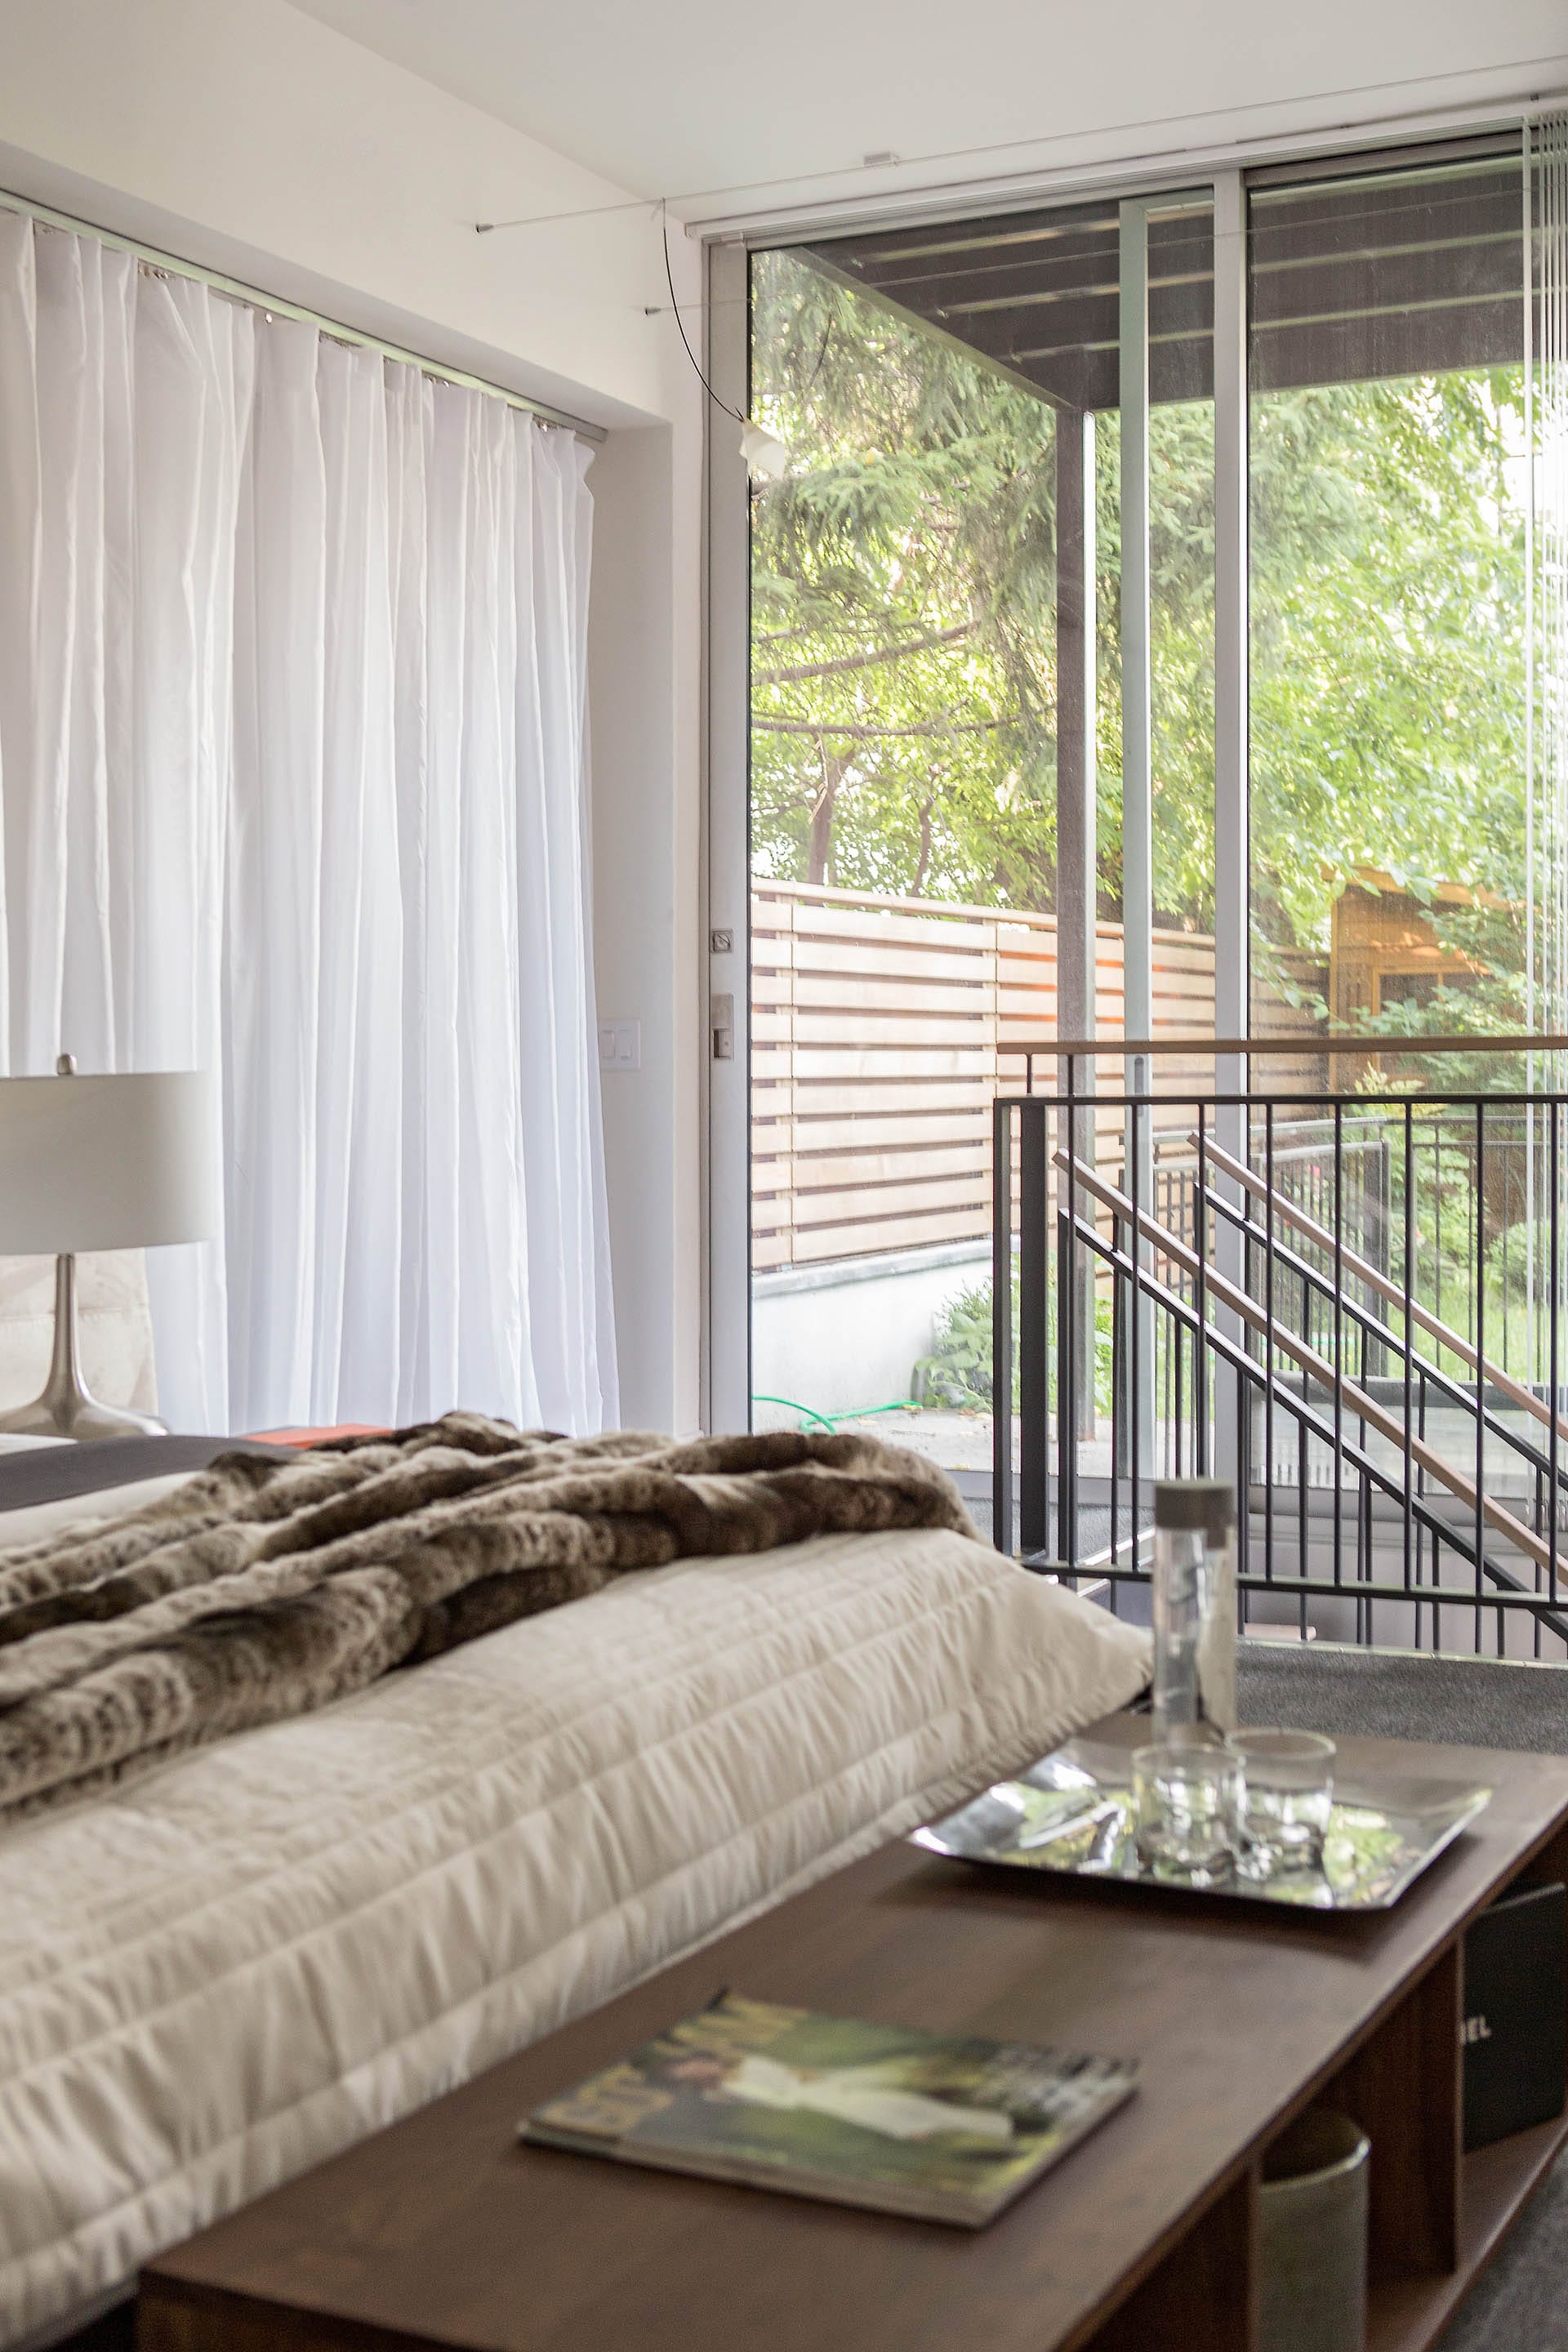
{"x": 1232, "y": 840}
{"x": 1137, "y": 790}
{"x": 1034, "y": 1376}
{"x": 1137, "y": 680}
{"x": 1002, "y": 1328}
{"x": 1075, "y": 844}
{"x": 1230, "y": 614}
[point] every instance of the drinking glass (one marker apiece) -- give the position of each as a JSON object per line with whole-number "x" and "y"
{"x": 1185, "y": 1792}
{"x": 1285, "y": 1791}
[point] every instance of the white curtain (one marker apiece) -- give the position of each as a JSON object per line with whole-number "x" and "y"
{"x": 292, "y": 660}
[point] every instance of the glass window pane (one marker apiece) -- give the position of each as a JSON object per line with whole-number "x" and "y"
{"x": 910, "y": 738}
{"x": 1389, "y": 488}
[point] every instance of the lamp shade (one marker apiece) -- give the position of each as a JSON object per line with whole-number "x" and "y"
{"x": 105, "y": 1163}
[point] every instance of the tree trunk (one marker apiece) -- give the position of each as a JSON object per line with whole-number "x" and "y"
{"x": 922, "y": 866}
{"x": 819, "y": 852}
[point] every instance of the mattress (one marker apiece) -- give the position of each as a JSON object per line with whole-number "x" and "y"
{"x": 250, "y": 1957}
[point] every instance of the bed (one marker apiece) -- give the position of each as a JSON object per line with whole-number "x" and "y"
{"x": 237, "y": 1963}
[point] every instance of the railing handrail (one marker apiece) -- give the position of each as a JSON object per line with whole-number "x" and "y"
{"x": 1330, "y": 1340}
{"x": 1117, "y": 1049}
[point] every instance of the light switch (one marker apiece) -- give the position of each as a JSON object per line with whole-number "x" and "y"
{"x": 620, "y": 1045}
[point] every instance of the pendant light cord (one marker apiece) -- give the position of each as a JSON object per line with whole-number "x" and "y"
{"x": 675, "y": 306}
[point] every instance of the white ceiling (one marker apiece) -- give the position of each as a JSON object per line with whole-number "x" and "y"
{"x": 782, "y": 98}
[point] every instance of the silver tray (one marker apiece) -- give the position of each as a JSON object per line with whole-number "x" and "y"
{"x": 1072, "y": 1812}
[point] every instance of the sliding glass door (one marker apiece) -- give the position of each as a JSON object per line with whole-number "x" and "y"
{"x": 903, "y": 873}
{"x": 1150, "y": 637}
{"x": 981, "y": 758}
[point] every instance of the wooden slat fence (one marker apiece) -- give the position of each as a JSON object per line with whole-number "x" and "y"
{"x": 882, "y": 1030}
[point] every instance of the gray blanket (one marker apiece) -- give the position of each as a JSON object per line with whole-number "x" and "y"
{"x": 264, "y": 1588}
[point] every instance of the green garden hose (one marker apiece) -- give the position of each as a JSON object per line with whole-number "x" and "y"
{"x": 832, "y": 1420}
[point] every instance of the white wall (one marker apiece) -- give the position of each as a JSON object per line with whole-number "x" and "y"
{"x": 244, "y": 135}
{"x": 834, "y": 1344}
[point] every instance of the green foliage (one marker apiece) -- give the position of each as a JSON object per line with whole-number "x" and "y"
{"x": 903, "y": 576}
{"x": 958, "y": 1371}
{"x": 1387, "y": 644}
{"x": 904, "y": 579}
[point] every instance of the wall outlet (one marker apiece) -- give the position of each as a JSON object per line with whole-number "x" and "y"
{"x": 620, "y": 1045}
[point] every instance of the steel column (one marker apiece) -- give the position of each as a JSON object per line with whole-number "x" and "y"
{"x": 1137, "y": 681}
{"x": 1231, "y": 819}
{"x": 1077, "y": 848}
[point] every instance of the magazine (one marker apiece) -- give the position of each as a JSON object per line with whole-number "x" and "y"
{"x": 946, "y": 2128}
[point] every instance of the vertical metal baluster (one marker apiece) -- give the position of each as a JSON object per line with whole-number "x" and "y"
{"x": 1409, "y": 1339}
{"x": 1339, "y": 1341}
{"x": 1303, "y": 1445}
{"x": 1034, "y": 1325}
{"x": 1180, "y": 1344}
{"x": 1421, "y": 1489}
{"x": 1118, "y": 1418}
{"x": 1068, "y": 1352}
{"x": 1365, "y": 1485}
{"x": 1301, "y": 1548}
{"x": 1130, "y": 1131}
{"x": 1170, "y": 1338}
{"x": 1478, "y": 1261}
{"x": 1268, "y": 1348}
{"x": 1554, "y": 1291}
{"x": 1506, "y": 1147}
{"x": 1242, "y": 1139}
{"x": 1002, "y": 1328}
{"x": 1535, "y": 1614}
{"x": 1437, "y": 1220}
{"x": 1243, "y": 1489}
{"x": 1201, "y": 1300}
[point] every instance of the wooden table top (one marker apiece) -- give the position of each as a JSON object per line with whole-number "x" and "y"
{"x": 444, "y": 2231}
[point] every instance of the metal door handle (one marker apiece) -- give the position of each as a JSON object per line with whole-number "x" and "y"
{"x": 723, "y": 1017}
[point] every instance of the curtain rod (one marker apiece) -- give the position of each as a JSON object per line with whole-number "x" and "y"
{"x": 254, "y": 297}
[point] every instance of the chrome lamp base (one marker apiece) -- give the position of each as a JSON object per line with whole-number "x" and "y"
{"x": 65, "y": 1409}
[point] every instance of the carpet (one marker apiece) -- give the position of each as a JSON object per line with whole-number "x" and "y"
{"x": 1520, "y": 2304}
{"x": 1392, "y": 1695}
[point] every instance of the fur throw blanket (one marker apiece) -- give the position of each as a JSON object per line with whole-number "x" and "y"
{"x": 265, "y": 1588}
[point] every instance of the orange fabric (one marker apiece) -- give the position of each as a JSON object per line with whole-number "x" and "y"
{"x": 316, "y": 1436}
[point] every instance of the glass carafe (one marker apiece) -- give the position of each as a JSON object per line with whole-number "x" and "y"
{"x": 1194, "y": 1605}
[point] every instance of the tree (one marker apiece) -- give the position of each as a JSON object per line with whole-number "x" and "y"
{"x": 1388, "y": 647}
{"x": 905, "y": 704}
{"x": 904, "y": 698}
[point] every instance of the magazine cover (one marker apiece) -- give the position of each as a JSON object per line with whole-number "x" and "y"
{"x": 943, "y": 2127}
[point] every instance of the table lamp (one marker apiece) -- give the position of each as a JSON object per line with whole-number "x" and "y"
{"x": 101, "y": 1163}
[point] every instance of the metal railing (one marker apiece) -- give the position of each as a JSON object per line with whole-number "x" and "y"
{"x": 1349, "y": 1305}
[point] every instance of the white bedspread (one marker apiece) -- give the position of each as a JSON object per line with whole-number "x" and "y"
{"x": 255, "y": 1955}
